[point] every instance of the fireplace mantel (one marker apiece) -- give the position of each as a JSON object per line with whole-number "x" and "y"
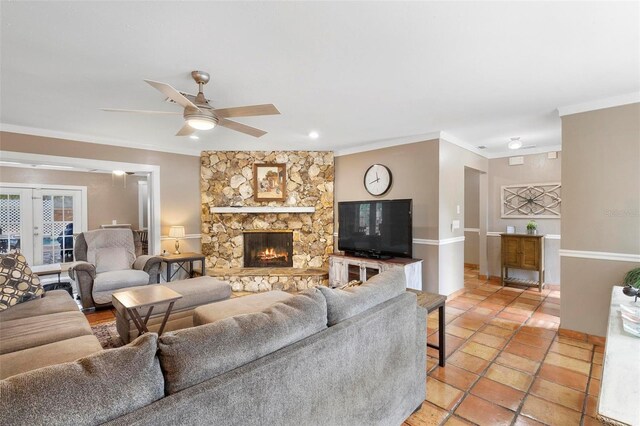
{"x": 262, "y": 209}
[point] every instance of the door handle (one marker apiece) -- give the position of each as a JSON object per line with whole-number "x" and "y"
{"x": 35, "y": 234}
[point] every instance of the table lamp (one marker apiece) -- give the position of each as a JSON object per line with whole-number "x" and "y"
{"x": 177, "y": 232}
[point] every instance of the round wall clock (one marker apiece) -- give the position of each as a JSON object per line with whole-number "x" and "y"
{"x": 377, "y": 179}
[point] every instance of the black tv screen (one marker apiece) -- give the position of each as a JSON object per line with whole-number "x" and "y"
{"x": 375, "y": 228}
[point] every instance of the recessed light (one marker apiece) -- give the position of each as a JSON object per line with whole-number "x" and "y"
{"x": 118, "y": 172}
{"x": 515, "y": 143}
{"x": 314, "y": 135}
{"x": 194, "y": 137}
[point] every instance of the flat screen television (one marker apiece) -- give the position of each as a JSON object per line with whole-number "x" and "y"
{"x": 380, "y": 229}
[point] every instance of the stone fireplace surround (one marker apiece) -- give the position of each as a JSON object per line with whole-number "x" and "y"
{"x": 227, "y": 181}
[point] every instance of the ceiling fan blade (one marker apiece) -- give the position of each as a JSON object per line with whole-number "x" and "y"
{"x": 172, "y": 93}
{"x": 186, "y": 130}
{"x": 243, "y": 128}
{"x": 140, "y": 111}
{"x": 247, "y": 111}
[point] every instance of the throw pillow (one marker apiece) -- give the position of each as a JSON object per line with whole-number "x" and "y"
{"x": 112, "y": 259}
{"x": 17, "y": 283}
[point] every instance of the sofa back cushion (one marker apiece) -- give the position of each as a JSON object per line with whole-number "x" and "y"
{"x": 193, "y": 355}
{"x": 343, "y": 304}
{"x": 91, "y": 390}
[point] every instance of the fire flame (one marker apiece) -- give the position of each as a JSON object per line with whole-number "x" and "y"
{"x": 270, "y": 254}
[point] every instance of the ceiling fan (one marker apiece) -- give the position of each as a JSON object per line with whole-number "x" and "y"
{"x": 200, "y": 115}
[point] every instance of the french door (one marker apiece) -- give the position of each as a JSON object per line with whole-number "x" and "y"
{"x": 41, "y": 222}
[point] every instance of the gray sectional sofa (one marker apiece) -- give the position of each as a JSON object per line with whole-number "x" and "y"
{"x": 323, "y": 357}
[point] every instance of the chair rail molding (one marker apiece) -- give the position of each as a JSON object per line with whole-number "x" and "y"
{"x": 600, "y": 255}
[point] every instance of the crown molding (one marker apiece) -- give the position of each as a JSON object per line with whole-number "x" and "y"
{"x": 613, "y": 101}
{"x": 386, "y": 143}
{"x": 34, "y": 131}
{"x": 525, "y": 152}
{"x": 462, "y": 144}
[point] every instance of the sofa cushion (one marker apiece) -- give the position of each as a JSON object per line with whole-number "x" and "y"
{"x": 193, "y": 355}
{"x": 53, "y": 353}
{"x": 107, "y": 283}
{"x": 17, "y": 283}
{"x": 112, "y": 259}
{"x": 24, "y": 333}
{"x": 343, "y": 304}
{"x": 91, "y": 390}
{"x": 242, "y": 305}
{"x": 52, "y": 302}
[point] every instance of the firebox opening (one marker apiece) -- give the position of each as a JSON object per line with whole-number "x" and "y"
{"x": 268, "y": 249}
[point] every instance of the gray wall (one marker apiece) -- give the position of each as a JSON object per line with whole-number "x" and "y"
{"x": 106, "y": 199}
{"x": 432, "y": 174}
{"x": 471, "y": 216}
{"x": 601, "y": 211}
{"x": 415, "y": 175}
{"x": 537, "y": 168}
{"x": 454, "y": 160}
{"x": 179, "y": 176}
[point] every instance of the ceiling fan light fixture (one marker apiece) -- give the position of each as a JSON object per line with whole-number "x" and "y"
{"x": 201, "y": 123}
{"x": 515, "y": 143}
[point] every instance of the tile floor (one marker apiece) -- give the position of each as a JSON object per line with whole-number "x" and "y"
{"x": 506, "y": 363}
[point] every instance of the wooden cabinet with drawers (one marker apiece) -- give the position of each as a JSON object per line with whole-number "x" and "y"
{"x": 522, "y": 251}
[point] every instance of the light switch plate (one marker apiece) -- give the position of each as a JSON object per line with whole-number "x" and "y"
{"x": 455, "y": 225}
{"x": 458, "y": 209}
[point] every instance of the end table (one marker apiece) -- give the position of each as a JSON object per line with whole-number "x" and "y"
{"x": 431, "y": 301}
{"x": 182, "y": 260}
{"x": 150, "y": 296}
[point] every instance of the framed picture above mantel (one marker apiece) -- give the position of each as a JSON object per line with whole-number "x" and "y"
{"x": 269, "y": 181}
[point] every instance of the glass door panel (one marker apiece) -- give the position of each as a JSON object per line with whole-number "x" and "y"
{"x": 57, "y": 214}
{"x": 15, "y": 221}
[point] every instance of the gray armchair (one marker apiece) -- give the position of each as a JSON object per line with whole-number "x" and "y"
{"x": 95, "y": 288}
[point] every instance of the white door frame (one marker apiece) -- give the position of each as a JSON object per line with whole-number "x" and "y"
{"x": 84, "y": 163}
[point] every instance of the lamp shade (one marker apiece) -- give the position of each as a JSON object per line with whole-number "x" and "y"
{"x": 176, "y": 232}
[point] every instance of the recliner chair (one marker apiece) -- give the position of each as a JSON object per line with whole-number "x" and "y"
{"x": 111, "y": 271}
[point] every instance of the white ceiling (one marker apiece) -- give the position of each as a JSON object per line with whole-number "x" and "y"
{"x": 358, "y": 73}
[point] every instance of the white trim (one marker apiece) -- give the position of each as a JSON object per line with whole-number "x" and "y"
{"x": 524, "y": 152}
{"x": 462, "y": 144}
{"x": 613, "y": 101}
{"x": 25, "y": 130}
{"x": 186, "y": 237}
{"x": 438, "y": 242}
{"x": 472, "y": 230}
{"x": 601, "y": 255}
{"x": 154, "y": 181}
{"x": 546, "y": 236}
{"x": 141, "y": 202}
{"x": 387, "y": 143}
{"x": 262, "y": 209}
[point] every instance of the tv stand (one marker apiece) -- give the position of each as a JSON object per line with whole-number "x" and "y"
{"x": 368, "y": 255}
{"x": 347, "y": 267}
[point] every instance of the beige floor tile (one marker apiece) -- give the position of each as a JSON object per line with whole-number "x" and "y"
{"x": 517, "y": 362}
{"x": 571, "y": 351}
{"x": 569, "y": 363}
{"x": 510, "y": 377}
{"x": 427, "y": 415}
{"x": 442, "y": 394}
{"x": 558, "y": 394}
{"x": 478, "y": 350}
{"x": 548, "y": 412}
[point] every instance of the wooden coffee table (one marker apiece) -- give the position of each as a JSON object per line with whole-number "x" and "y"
{"x": 431, "y": 301}
{"x": 153, "y": 295}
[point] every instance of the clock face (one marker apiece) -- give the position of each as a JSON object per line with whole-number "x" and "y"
{"x": 377, "y": 179}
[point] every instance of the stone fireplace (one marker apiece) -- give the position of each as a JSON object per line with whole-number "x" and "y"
{"x": 268, "y": 249}
{"x": 227, "y": 185}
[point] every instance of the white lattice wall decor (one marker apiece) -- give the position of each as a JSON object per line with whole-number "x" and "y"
{"x": 531, "y": 201}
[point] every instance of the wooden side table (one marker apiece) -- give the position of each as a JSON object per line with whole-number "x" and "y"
{"x": 182, "y": 260}
{"x": 153, "y": 295}
{"x": 431, "y": 302}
